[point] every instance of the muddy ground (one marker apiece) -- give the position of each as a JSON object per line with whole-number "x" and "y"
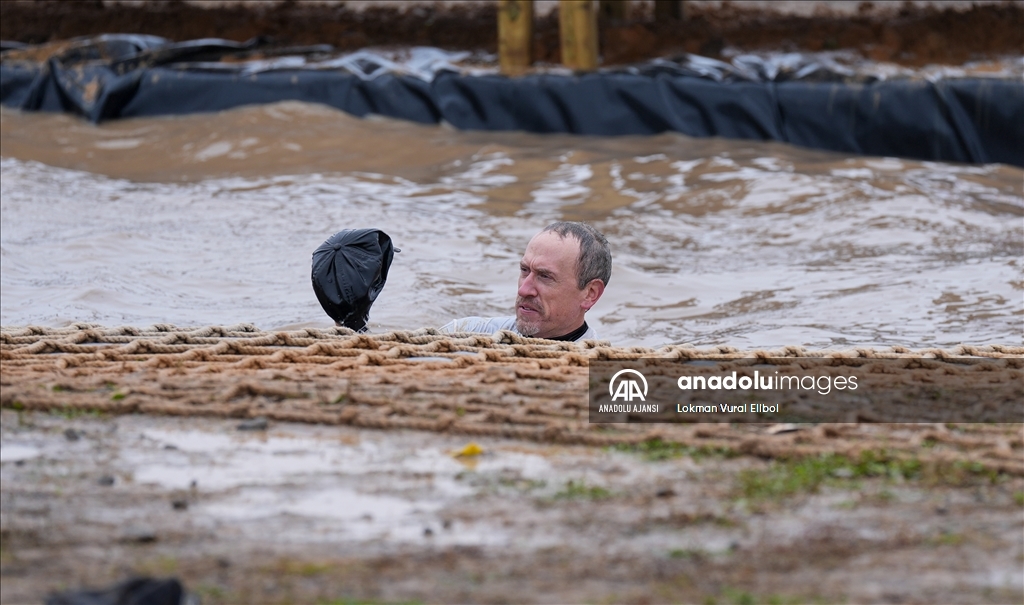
{"x": 300, "y": 513}
{"x": 912, "y": 36}
{"x": 436, "y": 468}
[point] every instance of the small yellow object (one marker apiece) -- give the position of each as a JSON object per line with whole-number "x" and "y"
{"x": 471, "y": 449}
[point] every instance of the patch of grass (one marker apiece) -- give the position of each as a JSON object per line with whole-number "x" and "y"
{"x": 781, "y": 600}
{"x": 785, "y": 478}
{"x": 877, "y": 464}
{"x": 6, "y": 556}
{"x": 722, "y": 521}
{"x": 1018, "y": 498}
{"x": 161, "y": 566}
{"x": 656, "y": 449}
{"x": 210, "y": 592}
{"x": 344, "y": 601}
{"x": 525, "y": 485}
{"x": 303, "y": 568}
{"x": 687, "y": 553}
{"x": 579, "y": 490}
{"x": 886, "y": 496}
{"x": 70, "y": 413}
{"x": 962, "y": 472}
{"x": 741, "y": 597}
{"x": 118, "y": 396}
{"x": 947, "y": 539}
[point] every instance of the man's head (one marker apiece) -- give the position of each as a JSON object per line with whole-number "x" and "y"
{"x": 561, "y": 276}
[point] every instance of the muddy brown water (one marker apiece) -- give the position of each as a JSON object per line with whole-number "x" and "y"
{"x": 211, "y": 219}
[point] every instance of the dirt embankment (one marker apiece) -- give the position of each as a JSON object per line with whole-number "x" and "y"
{"x": 910, "y": 36}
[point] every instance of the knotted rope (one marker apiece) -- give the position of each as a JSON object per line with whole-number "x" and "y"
{"x": 504, "y": 385}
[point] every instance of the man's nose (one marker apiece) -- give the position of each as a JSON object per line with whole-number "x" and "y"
{"x": 526, "y": 286}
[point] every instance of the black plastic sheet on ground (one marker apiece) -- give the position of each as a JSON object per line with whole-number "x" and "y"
{"x": 975, "y": 120}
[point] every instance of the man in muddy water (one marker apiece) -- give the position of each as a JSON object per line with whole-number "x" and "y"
{"x": 562, "y": 275}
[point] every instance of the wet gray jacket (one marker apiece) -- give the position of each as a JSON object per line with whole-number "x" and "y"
{"x": 490, "y": 325}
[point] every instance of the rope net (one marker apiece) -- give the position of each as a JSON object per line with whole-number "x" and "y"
{"x": 478, "y": 385}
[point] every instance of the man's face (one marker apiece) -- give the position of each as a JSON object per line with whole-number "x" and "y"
{"x": 549, "y": 303}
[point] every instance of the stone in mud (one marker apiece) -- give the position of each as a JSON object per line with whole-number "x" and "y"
{"x": 139, "y": 535}
{"x": 259, "y": 423}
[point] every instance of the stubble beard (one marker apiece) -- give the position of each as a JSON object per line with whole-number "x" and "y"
{"x": 526, "y": 328}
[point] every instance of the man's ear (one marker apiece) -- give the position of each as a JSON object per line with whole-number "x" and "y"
{"x": 592, "y": 293}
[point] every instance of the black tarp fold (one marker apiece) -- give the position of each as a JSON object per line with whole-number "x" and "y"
{"x": 977, "y": 120}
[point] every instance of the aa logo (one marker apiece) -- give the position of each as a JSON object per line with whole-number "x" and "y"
{"x": 627, "y": 388}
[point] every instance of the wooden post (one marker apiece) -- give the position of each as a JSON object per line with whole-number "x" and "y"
{"x": 577, "y": 22}
{"x": 515, "y": 35}
{"x": 613, "y": 10}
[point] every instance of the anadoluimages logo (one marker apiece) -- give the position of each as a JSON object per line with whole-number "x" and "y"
{"x": 627, "y": 388}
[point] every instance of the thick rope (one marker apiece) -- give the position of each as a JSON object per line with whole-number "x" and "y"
{"x": 504, "y": 385}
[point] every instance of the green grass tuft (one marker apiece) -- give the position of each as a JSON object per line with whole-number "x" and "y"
{"x": 69, "y": 413}
{"x": 656, "y": 449}
{"x": 579, "y": 490}
{"x": 948, "y": 539}
{"x": 785, "y": 478}
{"x": 686, "y": 553}
{"x": 742, "y": 597}
{"x": 521, "y": 484}
{"x": 365, "y": 602}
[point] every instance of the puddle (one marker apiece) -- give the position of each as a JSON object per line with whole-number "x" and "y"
{"x": 373, "y": 488}
{"x": 14, "y": 452}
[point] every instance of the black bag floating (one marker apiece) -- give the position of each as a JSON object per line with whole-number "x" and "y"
{"x": 349, "y": 271}
{"x": 137, "y": 591}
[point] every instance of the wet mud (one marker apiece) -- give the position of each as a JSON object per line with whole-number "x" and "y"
{"x": 907, "y": 34}
{"x": 301, "y": 513}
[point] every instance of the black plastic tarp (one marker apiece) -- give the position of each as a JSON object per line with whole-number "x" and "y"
{"x": 976, "y": 120}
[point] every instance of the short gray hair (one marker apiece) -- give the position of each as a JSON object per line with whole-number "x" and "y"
{"x": 595, "y": 259}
